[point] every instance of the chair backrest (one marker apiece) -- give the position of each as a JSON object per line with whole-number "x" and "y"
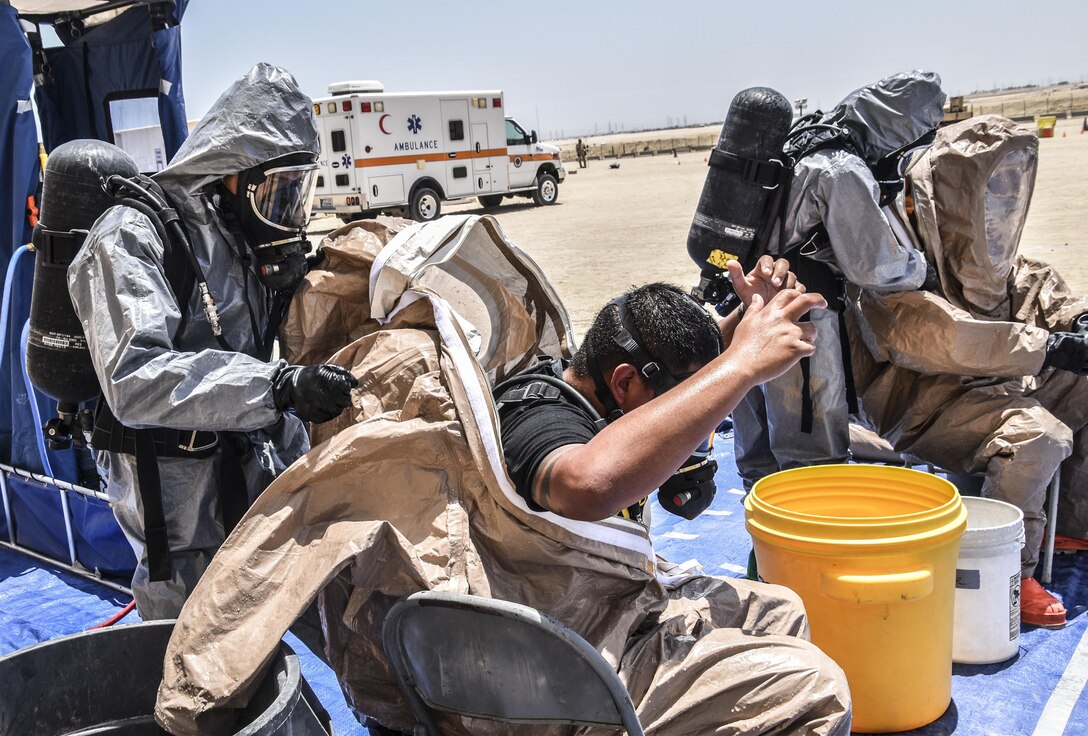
{"x": 502, "y": 661}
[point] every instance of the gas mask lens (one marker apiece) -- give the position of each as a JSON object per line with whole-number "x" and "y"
{"x": 272, "y": 207}
{"x": 283, "y": 199}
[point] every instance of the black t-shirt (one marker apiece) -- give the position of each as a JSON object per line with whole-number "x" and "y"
{"x": 533, "y": 427}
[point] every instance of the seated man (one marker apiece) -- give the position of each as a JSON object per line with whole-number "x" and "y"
{"x": 601, "y": 432}
{"x": 409, "y": 492}
{"x": 987, "y": 375}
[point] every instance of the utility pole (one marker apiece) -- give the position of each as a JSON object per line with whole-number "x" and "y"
{"x": 800, "y": 105}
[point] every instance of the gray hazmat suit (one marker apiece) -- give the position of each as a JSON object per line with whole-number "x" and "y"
{"x": 957, "y": 378}
{"x": 153, "y": 376}
{"x": 835, "y": 189}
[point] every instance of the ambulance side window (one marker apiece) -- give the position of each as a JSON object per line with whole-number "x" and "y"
{"x": 339, "y": 142}
{"x": 320, "y": 182}
{"x": 515, "y": 136}
{"x": 457, "y": 130}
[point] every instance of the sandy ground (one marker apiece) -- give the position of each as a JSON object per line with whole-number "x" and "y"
{"x": 617, "y": 228}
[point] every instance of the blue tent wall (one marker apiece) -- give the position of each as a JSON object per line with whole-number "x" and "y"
{"x": 121, "y": 55}
{"x": 18, "y": 180}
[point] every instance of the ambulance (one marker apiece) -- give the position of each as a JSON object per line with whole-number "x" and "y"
{"x": 407, "y": 153}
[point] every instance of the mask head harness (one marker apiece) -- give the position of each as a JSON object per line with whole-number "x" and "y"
{"x": 628, "y": 340}
{"x": 889, "y": 170}
{"x": 271, "y": 205}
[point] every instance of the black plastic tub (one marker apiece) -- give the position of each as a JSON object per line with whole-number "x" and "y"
{"x": 104, "y": 683}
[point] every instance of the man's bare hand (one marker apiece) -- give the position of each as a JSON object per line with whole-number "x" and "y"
{"x": 770, "y": 338}
{"x": 767, "y": 278}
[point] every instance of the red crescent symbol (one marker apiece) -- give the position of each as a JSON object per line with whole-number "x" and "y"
{"x": 381, "y": 123}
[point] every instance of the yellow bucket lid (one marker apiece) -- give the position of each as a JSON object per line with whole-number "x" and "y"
{"x": 855, "y": 506}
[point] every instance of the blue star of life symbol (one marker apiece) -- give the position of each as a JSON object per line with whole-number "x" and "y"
{"x": 415, "y": 124}
{"x": 346, "y": 161}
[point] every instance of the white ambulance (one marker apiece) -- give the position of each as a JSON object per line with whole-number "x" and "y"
{"x": 406, "y": 153}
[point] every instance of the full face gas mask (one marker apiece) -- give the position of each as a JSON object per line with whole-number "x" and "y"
{"x": 272, "y": 205}
{"x": 691, "y": 489}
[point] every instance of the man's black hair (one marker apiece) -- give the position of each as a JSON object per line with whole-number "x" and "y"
{"x": 671, "y": 326}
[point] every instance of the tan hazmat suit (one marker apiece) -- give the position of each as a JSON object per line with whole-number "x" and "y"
{"x": 958, "y": 377}
{"x": 407, "y": 492}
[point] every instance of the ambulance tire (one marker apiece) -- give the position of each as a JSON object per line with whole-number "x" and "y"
{"x": 425, "y": 206}
{"x": 490, "y": 200}
{"x": 547, "y": 190}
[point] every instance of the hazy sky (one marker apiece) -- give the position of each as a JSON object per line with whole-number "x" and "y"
{"x": 573, "y": 67}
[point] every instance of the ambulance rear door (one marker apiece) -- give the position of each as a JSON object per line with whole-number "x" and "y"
{"x": 337, "y": 152}
{"x": 455, "y": 142}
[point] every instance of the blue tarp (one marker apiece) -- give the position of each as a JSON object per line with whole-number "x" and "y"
{"x": 1006, "y": 699}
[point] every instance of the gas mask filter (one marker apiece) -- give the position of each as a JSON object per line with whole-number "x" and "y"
{"x": 272, "y": 205}
{"x": 690, "y": 490}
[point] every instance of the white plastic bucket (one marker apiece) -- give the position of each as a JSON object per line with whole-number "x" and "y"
{"x": 987, "y": 618}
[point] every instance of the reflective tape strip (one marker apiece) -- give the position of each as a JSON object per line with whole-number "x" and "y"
{"x": 533, "y": 157}
{"x": 23, "y": 106}
{"x": 431, "y": 157}
{"x": 165, "y": 86}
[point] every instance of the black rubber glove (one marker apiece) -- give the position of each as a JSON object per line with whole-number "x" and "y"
{"x": 1068, "y": 351}
{"x": 933, "y": 279}
{"x": 315, "y": 259}
{"x": 317, "y": 393}
{"x": 1080, "y": 325}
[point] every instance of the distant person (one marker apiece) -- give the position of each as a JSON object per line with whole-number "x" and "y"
{"x": 987, "y": 373}
{"x": 582, "y": 150}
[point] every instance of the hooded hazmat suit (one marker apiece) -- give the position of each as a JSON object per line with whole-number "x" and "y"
{"x": 408, "y": 492}
{"x": 151, "y": 374}
{"x": 956, "y": 378}
{"x": 835, "y": 197}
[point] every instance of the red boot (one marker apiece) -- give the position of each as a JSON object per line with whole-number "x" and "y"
{"x": 1038, "y": 607}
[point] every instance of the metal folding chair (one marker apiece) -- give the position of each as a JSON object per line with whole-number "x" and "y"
{"x": 501, "y": 661}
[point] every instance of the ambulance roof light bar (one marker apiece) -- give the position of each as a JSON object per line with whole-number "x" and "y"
{"x": 356, "y": 87}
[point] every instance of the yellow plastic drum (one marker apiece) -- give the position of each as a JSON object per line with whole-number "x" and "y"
{"x": 872, "y": 552}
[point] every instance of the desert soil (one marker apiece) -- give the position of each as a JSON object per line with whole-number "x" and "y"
{"x": 617, "y": 228}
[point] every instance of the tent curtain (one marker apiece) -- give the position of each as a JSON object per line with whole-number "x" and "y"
{"x": 19, "y": 169}
{"x": 120, "y": 58}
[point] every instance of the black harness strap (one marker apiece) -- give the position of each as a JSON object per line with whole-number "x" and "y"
{"x": 847, "y": 366}
{"x": 533, "y": 386}
{"x": 233, "y": 494}
{"x": 819, "y": 278}
{"x": 806, "y": 395}
{"x": 765, "y": 173}
{"x": 156, "y": 541}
